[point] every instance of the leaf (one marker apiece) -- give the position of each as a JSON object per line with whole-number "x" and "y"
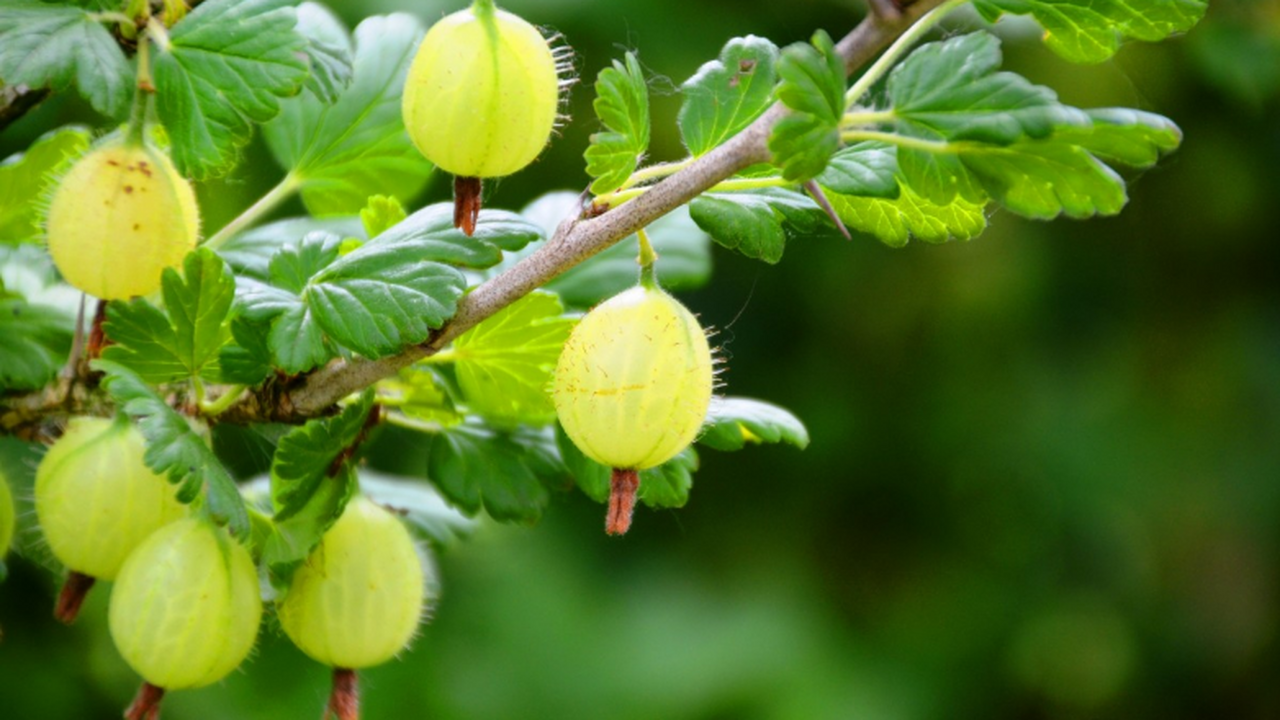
{"x": 305, "y": 456}
{"x": 1132, "y": 137}
{"x": 1088, "y": 31}
{"x": 57, "y": 46}
{"x": 184, "y": 341}
{"x": 895, "y": 221}
{"x": 504, "y": 472}
{"x": 732, "y": 422}
{"x": 250, "y": 252}
{"x": 951, "y": 90}
{"x": 247, "y": 359}
{"x": 430, "y": 235}
{"x": 728, "y": 93}
{"x": 422, "y": 507}
{"x": 504, "y": 364}
{"x": 1042, "y": 180}
{"x": 380, "y": 214}
{"x": 417, "y": 393}
{"x": 812, "y": 82}
{"x": 756, "y": 223}
{"x": 866, "y": 169}
{"x": 36, "y": 342}
{"x": 341, "y": 153}
{"x": 622, "y": 104}
{"x": 328, "y": 50}
{"x": 225, "y": 68}
{"x": 664, "y": 486}
{"x": 295, "y": 340}
{"x": 24, "y": 178}
{"x": 294, "y": 537}
{"x": 175, "y": 449}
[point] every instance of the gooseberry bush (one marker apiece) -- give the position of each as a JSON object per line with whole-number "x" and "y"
{"x": 531, "y": 352}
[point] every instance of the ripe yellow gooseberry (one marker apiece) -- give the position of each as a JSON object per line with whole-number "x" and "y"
{"x": 96, "y": 500}
{"x": 632, "y": 387}
{"x": 120, "y": 216}
{"x": 185, "y": 608}
{"x": 480, "y": 99}
{"x": 357, "y": 599}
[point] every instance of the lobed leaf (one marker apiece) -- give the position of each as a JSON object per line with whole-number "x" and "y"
{"x": 429, "y": 233}
{"x": 249, "y": 253}
{"x": 728, "y": 93}
{"x": 175, "y": 449}
{"x": 381, "y": 213}
{"x": 328, "y": 51}
{"x": 293, "y": 537}
{"x": 60, "y": 45}
{"x": 732, "y": 422}
{"x": 505, "y": 472}
{"x": 1090, "y": 31}
{"x": 306, "y": 455}
{"x": 812, "y": 82}
{"x": 756, "y": 223}
{"x": 895, "y": 221}
{"x": 36, "y": 342}
{"x": 343, "y": 152}
{"x": 224, "y": 69}
{"x": 865, "y": 169}
{"x": 622, "y": 104}
{"x": 504, "y": 364}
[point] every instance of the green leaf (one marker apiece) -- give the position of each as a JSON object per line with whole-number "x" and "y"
{"x": 380, "y": 214}
{"x": 328, "y": 50}
{"x": 622, "y": 104}
{"x": 57, "y": 46}
{"x": 505, "y": 472}
{"x": 420, "y": 505}
{"x": 24, "y": 179}
{"x": 951, "y": 90}
{"x": 341, "y": 153}
{"x": 1042, "y": 180}
{"x": 308, "y": 456}
{"x": 504, "y": 364}
{"x": 175, "y": 449}
{"x": 1090, "y": 31}
{"x": 185, "y": 340}
{"x": 812, "y": 86}
{"x": 1132, "y": 137}
{"x": 295, "y": 339}
{"x": 249, "y": 253}
{"x": 225, "y": 68}
{"x": 430, "y": 235}
{"x": 36, "y": 342}
{"x": 417, "y": 392}
{"x": 293, "y": 537}
{"x": 727, "y": 94}
{"x": 247, "y": 359}
{"x": 756, "y": 223}
{"x": 665, "y": 486}
{"x": 732, "y": 422}
{"x": 866, "y": 169}
{"x": 895, "y": 221}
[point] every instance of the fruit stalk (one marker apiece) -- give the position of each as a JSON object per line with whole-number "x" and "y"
{"x": 146, "y": 705}
{"x": 466, "y": 203}
{"x": 344, "y": 701}
{"x": 72, "y": 596}
{"x": 623, "y": 486}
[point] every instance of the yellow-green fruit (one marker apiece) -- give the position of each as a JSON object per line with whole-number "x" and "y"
{"x": 120, "y": 216}
{"x": 634, "y": 380}
{"x": 6, "y": 516}
{"x": 96, "y": 500}
{"x": 357, "y": 599}
{"x": 480, "y": 98}
{"x": 185, "y": 608}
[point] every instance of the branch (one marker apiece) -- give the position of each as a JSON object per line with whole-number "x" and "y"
{"x": 575, "y": 240}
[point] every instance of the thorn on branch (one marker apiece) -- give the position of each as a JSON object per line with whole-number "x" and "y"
{"x": 820, "y": 197}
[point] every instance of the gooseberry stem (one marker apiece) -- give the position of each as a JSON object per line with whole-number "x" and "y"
{"x": 466, "y": 203}
{"x": 136, "y": 133}
{"x": 146, "y": 705}
{"x": 283, "y": 190}
{"x": 646, "y": 259}
{"x": 623, "y": 486}
{"x": 72, "y": 596}
{"x": 344, "y": 701}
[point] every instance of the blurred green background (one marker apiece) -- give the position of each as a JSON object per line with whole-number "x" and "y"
{"x": 1044, "y": 480}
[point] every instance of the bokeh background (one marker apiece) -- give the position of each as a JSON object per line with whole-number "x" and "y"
{"x": 1044, "y": 480}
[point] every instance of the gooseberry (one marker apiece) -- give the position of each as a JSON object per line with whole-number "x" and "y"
{"x": 480, "y": 99}
{"x": 7, "y": 522}
{"x": 632, "y": 387}
{"x": 185, "y": 608}
{"x": 96, "y": 500}
{"x": 120, "y": 216}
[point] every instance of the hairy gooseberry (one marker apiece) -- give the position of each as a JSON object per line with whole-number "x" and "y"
{"x": 120, "y": 216}
{"x": 96, "y": 500}
{"x": 185, "y": 608}
{"x": 632, "y": 387}
{"x": 357, "y": 599}
{"x": 7, "y": 522}
{"x": 480, "y": 99}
